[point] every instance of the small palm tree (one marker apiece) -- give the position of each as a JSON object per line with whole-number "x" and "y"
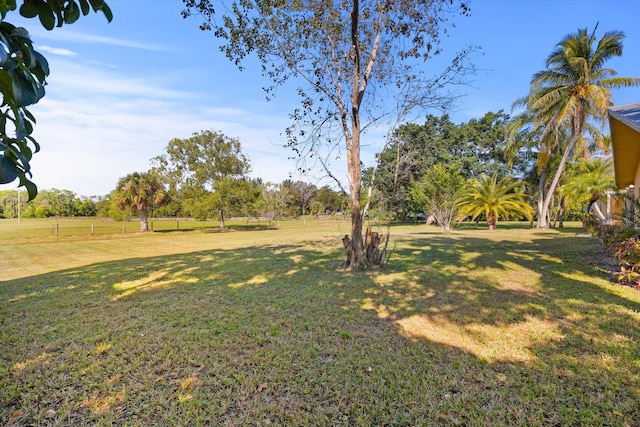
{"x": 495, "y": 198}
{"x": 589, "y": 182}
{"x": 139, "y": 192}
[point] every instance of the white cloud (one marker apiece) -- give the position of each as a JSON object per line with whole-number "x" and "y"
{"x": 99, "y": 122}
{"x": 71, "y": 36}
{"x": 95, "y": 127}
{"x": 56, "y": 51}
{"x": 70, "y": 78}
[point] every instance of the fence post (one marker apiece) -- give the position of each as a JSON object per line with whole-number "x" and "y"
{"x": 177, "y": 224}
{"x": 92, "y": 230}
{"x": 57, "y": 229}
{"x": 123, "y": 231}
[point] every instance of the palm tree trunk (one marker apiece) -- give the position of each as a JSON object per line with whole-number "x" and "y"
{"x": 144, "y": 220}
{"x": 491, "y": 221}
{"x": 597, "y": 209}
{"x": 558, "y": 219}
{"x": 542, "y": 179}
{"x": 561, "y": 210}
{"x": 542, "y": 220}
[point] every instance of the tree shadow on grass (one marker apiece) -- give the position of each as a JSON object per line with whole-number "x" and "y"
{"x": 540, "y": 304}
{"x": 209, "y": 229}
{"x": 458, "y": 330}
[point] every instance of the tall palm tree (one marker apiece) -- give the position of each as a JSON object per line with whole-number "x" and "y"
{"x": 525, "y": 138}
{"x": 495, "y": 198}
{"x": 573, "y": 89}
{"x": 589, "y": 182}
{"x": 139, "y": 192}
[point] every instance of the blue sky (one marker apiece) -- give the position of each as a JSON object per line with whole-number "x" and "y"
{"x": 119, "y": 92}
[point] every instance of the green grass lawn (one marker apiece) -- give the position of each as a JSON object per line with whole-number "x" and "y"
{"x": 79, "y": 227}
{"x": 517, "y": 327}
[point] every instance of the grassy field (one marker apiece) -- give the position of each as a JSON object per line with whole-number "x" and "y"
{"x": 78, "y": 227}
{"x": 517, "y": 327}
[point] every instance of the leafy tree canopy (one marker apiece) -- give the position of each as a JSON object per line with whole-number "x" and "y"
{"x": 589, "y": 181}
{"x": 356, "y": 63}
{"x": 204, "y": 168}
{"x": 23, "y": 72}
{"x": 437, "y": 193}
{"x": 471, "y": 148}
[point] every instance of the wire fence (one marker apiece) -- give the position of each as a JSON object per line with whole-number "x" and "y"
{"x": 71, "y": 227}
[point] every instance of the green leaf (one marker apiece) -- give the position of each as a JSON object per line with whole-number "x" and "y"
{"x": 107, "y": 12}
{"x": 28, "y": 127}
{"x": 46, "y": 15}
{"x": 11, "y": 64}
{"x": 43, "y": 65}
{"x": 24, "y": 91}
{"x": 6, "y": 87}
{"x": 71, "y": 13}
{"x": 27, "y": 56}
{"x": 84, "y": 5}
{"x": 32, "y": 190}
{"x": 36, "y": 146}
{"x": 8, "y": 170}
{"x": 4, "y": 8}
{"x": 28, "y": 114}
{"x": 16, "y": 154}
{"x": 96, "y": 4}
{"x": 29, "y": 9}
{"x": 26, "y": 154}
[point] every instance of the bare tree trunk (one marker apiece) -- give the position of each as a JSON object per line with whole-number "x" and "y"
{"x": 221, "y": 218}
{"x": 357, "y": 259}
{"x": 357, "y": 255}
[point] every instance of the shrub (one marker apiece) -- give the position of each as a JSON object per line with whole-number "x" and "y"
{"x": 623, "y": 243}
{"x": 627, "y": 254}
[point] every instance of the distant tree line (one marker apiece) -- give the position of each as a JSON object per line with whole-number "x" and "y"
{"x": 288, "y": 199}
{"x": 426, "y": 169}
{"x": 48, "y": 203}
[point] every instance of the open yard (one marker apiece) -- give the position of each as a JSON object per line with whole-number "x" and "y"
{"x": 517, "y": 327}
